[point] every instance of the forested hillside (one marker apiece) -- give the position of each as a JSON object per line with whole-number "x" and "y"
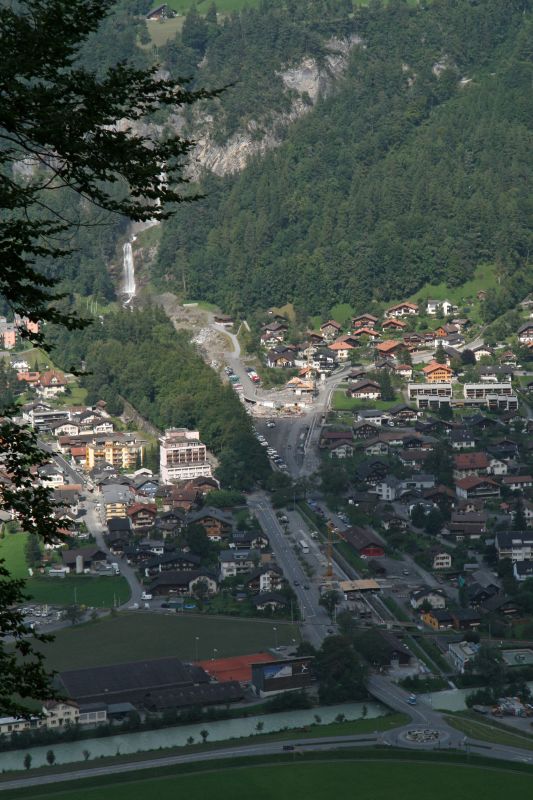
{"x": 140, "y": 357}
{"x": 416, "y": 168}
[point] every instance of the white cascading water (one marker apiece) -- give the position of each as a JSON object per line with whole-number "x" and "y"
{"x": 129, "y": 273}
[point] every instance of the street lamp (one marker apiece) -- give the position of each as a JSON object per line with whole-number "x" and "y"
{"x": 214, "y": 651}
{"x": 276, "y": 635}
{"x": 197, "y": 639}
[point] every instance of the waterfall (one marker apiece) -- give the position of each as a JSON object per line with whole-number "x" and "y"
{"x": 129, "y": 272}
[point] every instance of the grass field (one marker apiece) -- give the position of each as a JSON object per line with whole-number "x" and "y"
{"x": 102, "y": 592}
{"x": 372, "y": 781}
{"x": 489, "y": 733}
{"x": 341, "y": 402}
{"x": 12, "y": 551}
{"x": 135, "y": 636}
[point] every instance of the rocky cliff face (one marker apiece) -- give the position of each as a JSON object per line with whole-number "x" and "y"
{"x": 307, "y": 82}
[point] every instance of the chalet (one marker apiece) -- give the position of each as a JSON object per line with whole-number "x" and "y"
{"x": 402, "y": 414}
{"x": 439, "y": 619}
{"x": 440, "y": 559}
{"x": 91, "y": 557}
{"x": 443, "y": 331}
{"x": 176, "y": 560}
{"x": 394, "y": 324}
{"x": 364, "y": 321}
{"x": 472, "y": 525}
{"x": 403, "y": 371}
{"x": 497, "y": 466}
{"x": 52, "y": 383}
{"x": 413, "y": 340}
{"x": 359, "y": 333}
{"x": 118, "y": 542}
{"x": 273, "y": 333}
{"x": 474, "y": 486}
{"x": 142, "y": 515}
{"x": 365, "y": 390}
{"x": 525, "y": 333}
{"x": 280, "y": 358}
{"x": 270, "y": 601}
{"x": 330, "y": 329}
{"x": 482, "y": 351}
{"x": 374, "y": 447}
{"x": 248, "y": 540}
{"x": 364, "y": 541}
{"x": 160, "y": 13}
{"x": 499, "y": 604}
{"x": 463, "y": 619}
{"x": 389, "y": 651}
{"x": 517, "y": 483}
{"x": 402, "y": 310}
{"x": 342, "y": 349}
{"x": 182, "y": 583}
{"x": 435, "y": 598}
{"x": 328, "y": 437}
{"x": 373, "y": 415}
{"x": 341, "y": 449}
{"x": 462, "y": 439}
{"x": 204, "y": 484}
{"x": 508, "y": 358}
{"x": 371, "y": 472}
{"x": 217, "y": 524}
{"x": 440, "y": 308}
{"x": 119, "y": 525}
{"x": 523, "y": 570}
{"x": 465, "y": 464}
{"x": 437, "y": 373}
{"x": 393, "y": 522}
{"x": 516, "y": 545}
{"x": 365, "y": 430}
{"x": 490, "y": 374}
{"x": 267, "y": 578}
{"x": 169, "y": 523}
{"x": 389, "y": 348}
{"x": 479, "y": 593}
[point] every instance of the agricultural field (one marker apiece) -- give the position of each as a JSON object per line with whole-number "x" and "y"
{"x": 124, "y": 637}
{"x": 314, "y": 780}
{"x": 12, "y": 552}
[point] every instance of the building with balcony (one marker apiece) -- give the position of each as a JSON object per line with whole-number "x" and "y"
{"x": 182, "y": 456}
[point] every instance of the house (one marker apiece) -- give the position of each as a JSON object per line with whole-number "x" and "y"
{"x": 280, "y": 357}
{"x": 217, "y": 524}
{"x": 472, "y": 525}
{"x": 364, "y": 321}
{"x": 402, "y": 310}
{"x": 364, "y": 541}
{"x": 389, "y": 348}
{"x": 440, "y": 559}
{"x": 525, "y": 333}
{"x": 329, "y": 437}
{"x": 116, "y": 499}
{"x": 482, "y": 351}
{"x": 394, "y": 324}
{"x": 464, "y": 619}
{"x": 175, "y": 560}
{"x": 248, "y": 540}
{"x": 142, "y": 515}
{"x": 523, "y": 570}
{"x": 270, "y": 601}
{"x": 237, "y": 562}
{"x": 91, "y": 557}
{"x": 359, "y": 333}
{"x": 266, "y": 578}
{"x": 52, "y": 383}
{"x": 517, "y": 483}
{"x": 342, "y": 349}
{"x": 403, "y": 371}
{"x": 440, "y": 307}
{"x": 437, "y": 373}
{"x": 462, "y": 439}
{"x": 430, "y": 395}
{"x": 439, "y": 619}
{"x": 489, "y": 374}
{"x": 178, "y": 582}
{"x": 500, "y": 604}
{"x": 120, "y": 525}
{"x": 388, "y": 489}
{"x": 465, "y": 464}
{"x": 365, "y": 390}
{"x": 330, "y": 329}
{"x": 159, "y": 13}
{"x": 435, "y": 598}
{"x": 461, "y": 654}
{"x": 474, "y": 486}
{"x": 516, "y": 545}
{"x": 51, "y": 475}
{"x": 341, "y": 449}
{"x": 169, "y": 523}
{"x": 365, "y": 430}
{"x": 374, "y": 447}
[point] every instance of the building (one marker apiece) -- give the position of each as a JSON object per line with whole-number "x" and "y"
{"x": 117, "y": 499}
{"x": 121, "y": 452}
{"x": 437, "y": 373}
{"x": 52, "y": 383}
{"x": 525, "y": 333}
{"x": 151, "y": 685}
{"x": 516, "y": 545}
{"x": 440, "y": 307}
{"x": 364, "y": 321}
{"x": 389, "y": 348}
{"x": 366, "y": 542}
{"x": 216, "y": 523}
{"x": 439, "y": 619}
{"x": 237, "y": 562}
{"x": 441, "y": 560}
{"x": 365, "y": 390}
{"x": 285, "y": 675}
{"x": 435, "y": 598}
{"x": 182, "y": 582}
{"x": 473, "y": 487}
{"x": 430, "y": 395}
{"x": 465, "y": 464}
{"x": 517, "y": 483}
{"x": 523, "y": 570}
{"x": 461, "y": 654}
{"x": 481, "y": 391}
{"x": 182, "y": 455}
{"x": 142, "y": 515}
{"x": 330, "y": 329}
{"x": 404, "y": 309}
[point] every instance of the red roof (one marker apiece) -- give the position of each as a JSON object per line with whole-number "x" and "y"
{"x": 133, "y": 509}
{"x": 390, "y": 344}
{"x": 53, "y": 378}
{"x": 238, "y": 668}
{"x": 434, "y": 366}
{"x": 472, "y": 480}
{"x": 471, "y": 461}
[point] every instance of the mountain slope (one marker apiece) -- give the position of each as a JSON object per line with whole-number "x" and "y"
{"x": 414, "y": 169}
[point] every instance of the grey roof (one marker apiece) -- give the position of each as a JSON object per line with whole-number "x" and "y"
{"x": 209, "y": 511}
{"x": 181, "y": 577}
{"x": 171, "y": 558}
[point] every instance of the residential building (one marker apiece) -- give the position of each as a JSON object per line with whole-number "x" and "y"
{"x": 52, "y": 383}
{"x": 516, "y": 545}
{"x": 236, "y": 562}
{"x": 473, "y": 487}
{"x": 365, "y": 390}
{"x": 430, "y": 395}
{"x": 394, "y": 324}
{"x": 525, "y": 333}
{"x": 117, "y": 499}
{"x": 365, "y": 541}
{"x": 182, "y": 455}
{"x": 440, "y": 307}
{"x": 330, "y": 329}
{"x": 439, "y": 619}
{"x": 436, "y": 598}
{"x": 477, "y": 391}
{"x": 461, "y": 654}
{"x": 523, "y": 570}
{"x": 441, "y": 560}
{"x": 437, "y": 373}
{"x": 517, "y": 483}
{"x": 182, "y": 582}
{"x": 465, "y": 464}
{"x": 217, "y": 523}
{"x": 364, "y": 321}
{"x": 119, "y": 451}
{"x": 404, "y": 309}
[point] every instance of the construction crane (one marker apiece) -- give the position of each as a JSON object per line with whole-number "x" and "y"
{"x": 328, "y": 576}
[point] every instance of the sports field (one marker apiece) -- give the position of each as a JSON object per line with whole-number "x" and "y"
{"x": 370, "y": 781}
{"x": 12, "y": 551}
{"x": 135, "y": 636}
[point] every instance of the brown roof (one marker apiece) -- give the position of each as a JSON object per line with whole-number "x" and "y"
{"x": 471, "y": 461}
{"x": 472, "y": 480}
{"x": 390, "y": 344}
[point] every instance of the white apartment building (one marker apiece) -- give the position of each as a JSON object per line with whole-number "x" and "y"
{"x": 182, "y": 456}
